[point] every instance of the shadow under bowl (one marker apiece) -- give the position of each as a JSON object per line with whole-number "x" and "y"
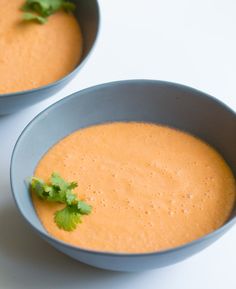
{"x": 160, "y": 102}
{"x": 87, "y": 14}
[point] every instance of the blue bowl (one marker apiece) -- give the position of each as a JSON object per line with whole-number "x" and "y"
{"x": 87, "y": 13}
{"x": 136, "y": 100}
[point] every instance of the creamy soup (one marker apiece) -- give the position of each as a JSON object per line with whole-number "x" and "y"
{"x": 151, "y": 187}
{"x": 33, "y": 55}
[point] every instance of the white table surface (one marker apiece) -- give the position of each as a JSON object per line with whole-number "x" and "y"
{"x": 187, "y": 41}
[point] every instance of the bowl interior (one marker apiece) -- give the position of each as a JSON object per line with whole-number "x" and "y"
{"x": 87, "y": 13}
{"x": 147, "y": 101}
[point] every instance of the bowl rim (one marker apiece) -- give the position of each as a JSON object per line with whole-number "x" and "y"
{"x": 218, "y": 232}
{"x": 68, "y": 75}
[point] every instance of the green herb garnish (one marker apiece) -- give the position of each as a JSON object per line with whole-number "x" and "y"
{"x": 60, "y": 191}
{"x": 32, "y": 17}
{"x": 40, "y": 10}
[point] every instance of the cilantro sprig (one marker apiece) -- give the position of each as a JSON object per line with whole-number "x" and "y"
{"x": 60, "y": 191}
{"x": 40, "y": 10}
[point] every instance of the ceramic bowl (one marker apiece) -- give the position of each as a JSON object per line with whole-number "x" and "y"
{"x": 137, "y": 100}
{"x": 87, "y": 13}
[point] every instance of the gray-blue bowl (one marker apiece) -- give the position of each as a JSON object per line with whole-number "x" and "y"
{"x": 87, "y": 13}
{"x": 135, "y": 100}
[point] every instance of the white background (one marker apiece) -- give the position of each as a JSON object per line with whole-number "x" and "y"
{"x": 187, "y": 41}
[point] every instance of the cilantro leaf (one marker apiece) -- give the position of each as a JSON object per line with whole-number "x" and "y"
{"x": 33, "y": 17}
{"x": 39, "y": 10}
{"x": 56, "y": 195}
{"x": 57, "y": 181}
{"x": 68, "y": 6}
{"x": 60, "y": 191}
{"x": 70, "y": 198}
{"x": 67, "y": 218}
{"x": 37, "y": 185}
{"x": 84, "y": 208}
{"x": 72, "y": 185}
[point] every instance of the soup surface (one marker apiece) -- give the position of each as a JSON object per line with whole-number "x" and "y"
{"x": 33, "y": 55}
{"x": 151, "y": 187}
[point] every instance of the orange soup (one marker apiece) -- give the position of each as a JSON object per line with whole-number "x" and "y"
{"x": 32, "y": 54}
{"x": 151, "y": 187}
